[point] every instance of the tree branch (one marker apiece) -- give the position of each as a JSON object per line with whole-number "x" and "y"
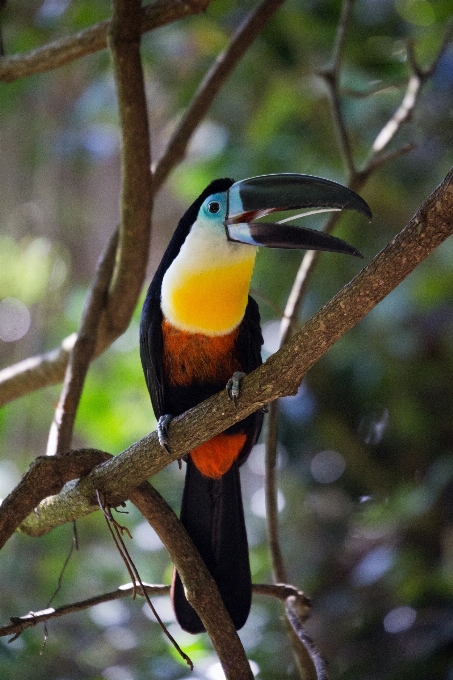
{"x": 136, "y": 192}
{"x": 64, "y": 50}
{"x": 331, "y": 75}
{"x": 199, "y": 586}
{"x": 20, "y": 623}
{"x": 45, "y": 476}
{"x": 417, "y": 79}
{"x": 294, "y": 618}
{"x": 280, "y": 591}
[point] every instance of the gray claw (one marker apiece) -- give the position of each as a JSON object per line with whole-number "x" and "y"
{"x": 162, "y": 431}
{"x": 233, "y": 386}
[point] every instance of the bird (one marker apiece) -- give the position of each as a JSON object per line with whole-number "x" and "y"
{"x": 200, "y": 331}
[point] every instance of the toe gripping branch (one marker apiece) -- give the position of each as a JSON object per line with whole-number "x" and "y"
{"x": 162, "y": 431}
{"x": 233, "y": 386}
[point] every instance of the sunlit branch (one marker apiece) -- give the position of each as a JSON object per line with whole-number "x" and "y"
{"x": 46, "y": 476}
{"x": 417, "y": 79}
{"x": 20, "y": 623}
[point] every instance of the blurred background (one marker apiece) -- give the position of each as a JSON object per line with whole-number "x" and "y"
{"x": 365, "y": 462}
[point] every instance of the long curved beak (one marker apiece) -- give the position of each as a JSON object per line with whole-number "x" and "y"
{"x": 256, "y": 197}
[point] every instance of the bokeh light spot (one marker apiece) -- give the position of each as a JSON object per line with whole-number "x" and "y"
{"x": 327, "y": 466}
{"x": 14, "y": 319}
{"x": 373, "y": 566}
{"x": 106, "y": 614}
{"x": 258, "y": 502}
{"x": 146, "y": 538}
{"x": 399, "y": 619}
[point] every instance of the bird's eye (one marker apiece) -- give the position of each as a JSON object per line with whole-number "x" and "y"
{"x": 213, "y": 207}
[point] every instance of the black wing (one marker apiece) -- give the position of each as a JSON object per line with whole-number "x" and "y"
{"x": 151, "y": 353}
{"x": 250, "y": 338}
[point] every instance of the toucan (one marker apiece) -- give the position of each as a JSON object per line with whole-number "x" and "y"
{"x": 199, "y": 328}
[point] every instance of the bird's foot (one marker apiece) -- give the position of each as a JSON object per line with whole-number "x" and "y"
{"x": 162, "y": 431}
{"x": 233, "y": 386}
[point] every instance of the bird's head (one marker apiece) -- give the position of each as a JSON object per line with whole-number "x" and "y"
{"x": 236, "y": 207}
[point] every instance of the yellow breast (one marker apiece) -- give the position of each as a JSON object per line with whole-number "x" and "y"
{"x": 210, "y": 300}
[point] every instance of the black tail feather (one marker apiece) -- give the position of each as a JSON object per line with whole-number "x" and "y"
{"x": 213, "y": 516}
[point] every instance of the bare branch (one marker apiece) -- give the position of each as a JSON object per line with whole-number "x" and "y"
{"x": 20, "y": 623}
{"x": 313, "y": 652}
{"x": 199, "y": 585}
{"x": 278, "y": 566}
{"x": 67, "y": 49}
{"x": 45, "y": 476}
{"x": 210, "y": 86}
{"x": 331, "y": 75}
{"x": 35, "y": 372}
{"x": 417, "y": 79}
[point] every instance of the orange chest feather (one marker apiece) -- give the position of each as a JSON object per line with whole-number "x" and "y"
{"x": 196, "y": 358}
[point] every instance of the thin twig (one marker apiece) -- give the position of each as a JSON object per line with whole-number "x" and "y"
{"x": 116, "y": 532}
{"x": 67, "y": 49}
{"x": 20, "y": 623}
{"x": 417, "y": 79}
{"x": 278, "y": 565}
{"x": 313, "y": 652}
{"x": 331, "y": 75}
{"x": 74, "y": 546}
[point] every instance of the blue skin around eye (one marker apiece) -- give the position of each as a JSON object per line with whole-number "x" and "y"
{"x": 220, "y": 214}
